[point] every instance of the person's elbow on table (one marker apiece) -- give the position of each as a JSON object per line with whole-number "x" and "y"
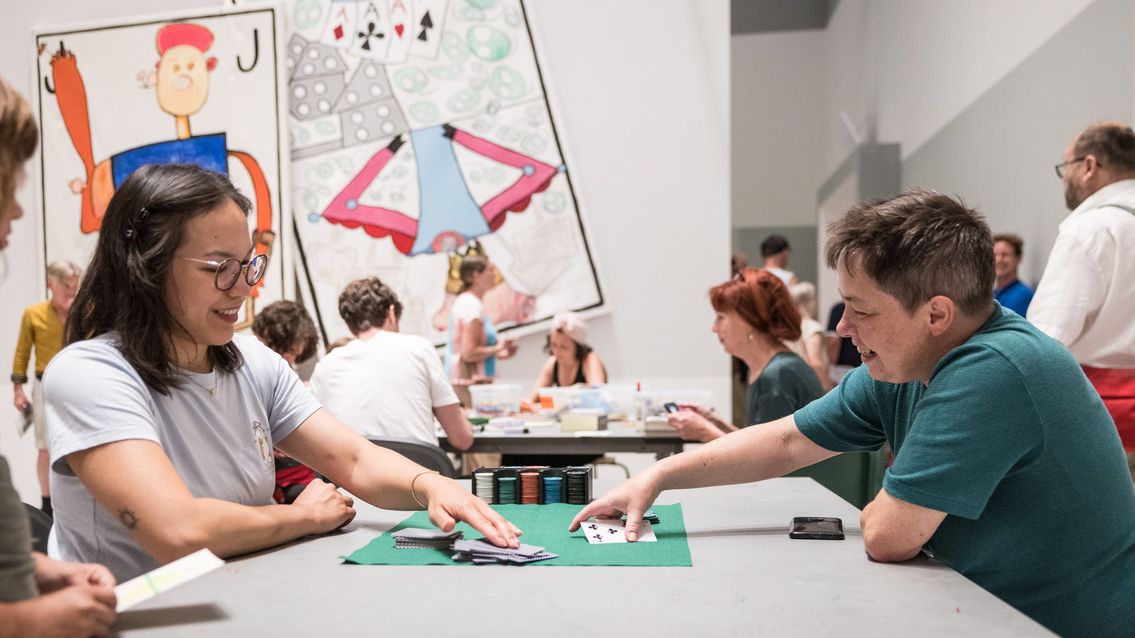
{"x": 895, "y": 530}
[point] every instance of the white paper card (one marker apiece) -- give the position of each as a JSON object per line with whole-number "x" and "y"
{"x": 611, "y": 530}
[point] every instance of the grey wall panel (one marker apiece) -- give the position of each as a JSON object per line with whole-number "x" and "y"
{"x": 998, "y": 154}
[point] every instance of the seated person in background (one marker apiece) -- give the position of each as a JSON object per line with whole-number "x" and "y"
{"x": 1007, "y": 466}
{"x": 286, "y": 328}
{"x": 812, "y": 345}
{"x": 755, "y": 318}
{"x": 1007, "y": 289}
{"x": 384, "y": 383}
{"x": 161, "y": 421}
{"x": 572, "y": 361}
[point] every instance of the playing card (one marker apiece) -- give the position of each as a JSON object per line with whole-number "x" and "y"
{"x": 372, "y": 31}
{"x": 429, "y": 20}
{"x": 421, "y": 532}
{"x": 610, "y": 530}
{"x": 340, "y": 28}
{"x": 400, "y": 14}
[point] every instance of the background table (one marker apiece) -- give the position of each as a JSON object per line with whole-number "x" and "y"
{"x": 550, "y": 440}
{"x": 748, "y": 578}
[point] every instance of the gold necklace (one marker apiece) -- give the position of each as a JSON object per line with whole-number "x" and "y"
{"x": 211, "y": 390}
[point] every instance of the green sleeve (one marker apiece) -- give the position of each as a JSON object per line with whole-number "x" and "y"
{"x": 974, "y": 423}
{"x": 846, "y": 419}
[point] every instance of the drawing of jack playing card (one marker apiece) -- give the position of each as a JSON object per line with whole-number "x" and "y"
{"x": 429, "y": 143}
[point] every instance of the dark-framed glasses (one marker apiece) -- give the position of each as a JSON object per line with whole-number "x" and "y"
{"x": 1062, "y": 165}
{"x": 228, "y": 270}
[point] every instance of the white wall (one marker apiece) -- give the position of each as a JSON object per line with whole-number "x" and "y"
{"x": 907, "y": 67}
{"x": 646, "y": 116}
{"x": 644, "y": 113}
{"x": 778, "y": 135}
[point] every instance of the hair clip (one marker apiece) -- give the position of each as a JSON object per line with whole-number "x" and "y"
{"x": 131, "y": 232}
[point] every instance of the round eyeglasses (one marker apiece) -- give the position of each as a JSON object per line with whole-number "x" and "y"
{"x": 228, "y": 270}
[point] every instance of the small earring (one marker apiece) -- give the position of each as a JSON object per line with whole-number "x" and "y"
{"x": 750, "y": 336}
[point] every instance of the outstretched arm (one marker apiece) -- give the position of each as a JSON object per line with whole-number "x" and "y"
{"x": 386, "y": 479}
{"x": 752, "y": 454}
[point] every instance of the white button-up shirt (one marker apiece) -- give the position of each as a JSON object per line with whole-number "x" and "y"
{"x": 1086, "y": 298}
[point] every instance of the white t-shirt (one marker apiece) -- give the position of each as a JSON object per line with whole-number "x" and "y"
{"x": 467, "y": 307}
{"x": 220, "y": 445}
{"x": 385, "y": 386}
{"x": 808, "y": 328}
{"x": 1087, "y": 294}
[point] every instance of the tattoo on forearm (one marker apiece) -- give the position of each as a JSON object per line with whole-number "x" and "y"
{"x": 128, "y": 518}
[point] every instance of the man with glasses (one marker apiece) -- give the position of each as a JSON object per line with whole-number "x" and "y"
{"x": 1087, "y": 294}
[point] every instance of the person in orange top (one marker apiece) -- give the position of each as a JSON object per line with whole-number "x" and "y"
{"x": 41, "y": 329}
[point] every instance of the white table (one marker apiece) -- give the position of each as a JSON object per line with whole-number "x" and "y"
{"x": 748, "y": 578}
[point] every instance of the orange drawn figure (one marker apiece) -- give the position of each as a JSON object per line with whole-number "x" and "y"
{"x": 182, "y": 86}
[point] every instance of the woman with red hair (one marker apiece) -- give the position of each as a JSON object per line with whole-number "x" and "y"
{"x": 755, "y": 318}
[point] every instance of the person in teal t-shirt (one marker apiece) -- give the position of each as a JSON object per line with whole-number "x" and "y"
{"x": 1007, "y": 465}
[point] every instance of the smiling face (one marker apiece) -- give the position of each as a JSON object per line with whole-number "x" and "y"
{"x": 183, "y": 80}
{"x": 894, "y": 344}
{"x": 1005, "y": 261}
{"x": 732, "y": 331}
{"x": 207, "y": 315}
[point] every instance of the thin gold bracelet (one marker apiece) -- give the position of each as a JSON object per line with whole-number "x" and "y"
{"x": 415, "y": 480}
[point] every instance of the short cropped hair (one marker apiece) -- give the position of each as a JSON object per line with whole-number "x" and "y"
{"x": 761, "y": 299}
{"x": 366, "y": 303}
{"x": 916, "y": 245}
{"x": 1113, "y": 144}
{"x": 1015, "y": 241}
{"x": 63, "y": 270}
{"x": 283, "y": 324}
{"x": 773, "y": 245}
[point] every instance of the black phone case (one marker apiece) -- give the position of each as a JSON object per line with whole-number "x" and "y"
{"x": 825, "y": 528}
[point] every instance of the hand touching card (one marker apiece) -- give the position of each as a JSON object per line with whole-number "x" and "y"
{"x": 611, "y": 530}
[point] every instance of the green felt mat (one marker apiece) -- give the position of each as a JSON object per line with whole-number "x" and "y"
{"x": 546, "y": 526}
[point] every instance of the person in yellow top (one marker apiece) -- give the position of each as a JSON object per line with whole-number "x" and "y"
{"x": 41, "y": 329}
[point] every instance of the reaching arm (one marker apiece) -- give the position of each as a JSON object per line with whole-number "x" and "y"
{"x": 383, "y": 478}
{"x": 456, "y": 426}
{"x": 752, "y": 454}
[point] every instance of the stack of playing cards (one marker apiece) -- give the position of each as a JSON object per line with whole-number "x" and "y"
{"x": 481, "y": 551}
{"x": 419, "y": 538}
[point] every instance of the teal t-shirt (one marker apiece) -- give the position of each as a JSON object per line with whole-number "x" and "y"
{"x": 784, "y": 386}
{"x": 1013, "y": 443}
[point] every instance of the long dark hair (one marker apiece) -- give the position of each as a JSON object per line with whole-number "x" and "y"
{"x": 124, "y": 288}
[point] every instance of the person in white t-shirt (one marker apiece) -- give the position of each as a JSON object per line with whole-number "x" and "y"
{"x": 775, "y": 252}
{"x": 812, "y": 346}
{"x": 384, "y": 383}
{"x": 161, "y": 423}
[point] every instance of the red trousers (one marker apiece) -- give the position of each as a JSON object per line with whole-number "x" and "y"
{"x": 1117, "y": 389}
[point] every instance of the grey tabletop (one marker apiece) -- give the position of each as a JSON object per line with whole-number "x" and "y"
{"x": 748, "y": 578}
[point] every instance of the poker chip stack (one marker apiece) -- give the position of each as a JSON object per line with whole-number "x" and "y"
{"x": 533, "y": 485}
{"x": 419, "y": 538}
{"x": 578, "y": 485}
{"x": 529, "y": 487}
{"x": 553, "y": 489}
{"x": 506, "y": 490}
{"x": 483, "y": 484}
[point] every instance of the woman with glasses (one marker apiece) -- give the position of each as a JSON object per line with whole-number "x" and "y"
{"x": 755, "y": 318}
{"x": 161, "y": 421}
